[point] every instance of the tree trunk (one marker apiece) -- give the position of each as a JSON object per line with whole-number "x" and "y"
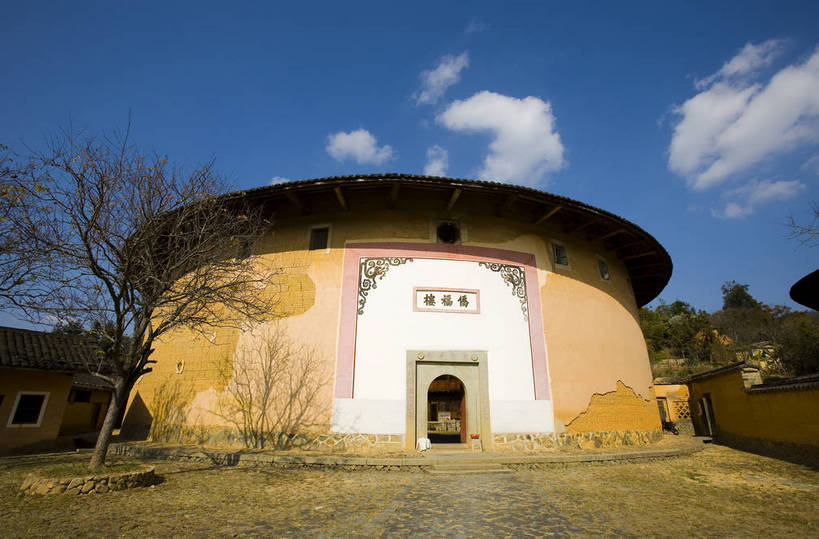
{"x": 104, "y": 439}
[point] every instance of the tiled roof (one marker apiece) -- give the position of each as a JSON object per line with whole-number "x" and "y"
{"x": 27, "y": 349}
{"x": 648, "y": 263}
{"x": 84, "y": 380}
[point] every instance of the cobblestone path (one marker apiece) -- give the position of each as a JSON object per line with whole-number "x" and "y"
{"x": 420, "y": 504}
{"x": 471, "y": 505}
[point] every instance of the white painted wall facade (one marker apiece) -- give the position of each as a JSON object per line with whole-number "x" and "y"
{"x": 391, "y": 324}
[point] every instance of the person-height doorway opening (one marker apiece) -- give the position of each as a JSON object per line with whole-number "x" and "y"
{"x": 446, "y": 407}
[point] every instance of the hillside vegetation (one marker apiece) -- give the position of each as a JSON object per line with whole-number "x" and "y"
{"x": 683, "y": 341}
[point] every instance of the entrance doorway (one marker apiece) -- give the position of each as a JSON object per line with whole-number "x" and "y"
{"x": 446, "y": 407}
{"x": 452, "y": 386}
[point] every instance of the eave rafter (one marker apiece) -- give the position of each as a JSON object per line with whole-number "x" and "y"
{"x": 342, "y": 201}
{"x": 581, "y": 226}
{"x": 394, "y": 191}
{"x": 639, "y": 255}
{"x": 453, "y": 198}
{"x": 296, "y": 201}
{"x": 506, "y": 205}
{"x": 549, "y": 214}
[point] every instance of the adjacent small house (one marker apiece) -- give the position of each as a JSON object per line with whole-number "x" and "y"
{"x": 46, "y": 390}
{"x": 733, "y": 405}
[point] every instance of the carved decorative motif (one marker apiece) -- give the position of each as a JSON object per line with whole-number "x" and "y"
{"x": 371, "y": 270}
{"x": 515, "y": 277}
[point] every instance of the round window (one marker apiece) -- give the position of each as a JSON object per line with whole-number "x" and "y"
{"x": 449, "y": 232}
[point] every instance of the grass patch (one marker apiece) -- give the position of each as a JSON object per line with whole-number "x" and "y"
{"x": 716, "y": 492}
{"x": 694, "y": 476}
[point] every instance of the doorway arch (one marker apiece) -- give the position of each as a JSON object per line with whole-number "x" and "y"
{"x": 446, "y": 410}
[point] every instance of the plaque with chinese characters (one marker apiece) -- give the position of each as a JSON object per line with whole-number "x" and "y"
{"x": 446, "y": 300}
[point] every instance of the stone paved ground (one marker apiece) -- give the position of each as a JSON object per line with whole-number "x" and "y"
{"x": 718, "y": 491}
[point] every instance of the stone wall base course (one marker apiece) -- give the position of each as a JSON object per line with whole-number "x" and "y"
{"x": 94, "y": 484}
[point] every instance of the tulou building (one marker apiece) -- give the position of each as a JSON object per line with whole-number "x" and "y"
{"x": 495, "y": 316}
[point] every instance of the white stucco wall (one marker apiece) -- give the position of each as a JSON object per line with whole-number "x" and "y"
{"x": 389, "y": 327}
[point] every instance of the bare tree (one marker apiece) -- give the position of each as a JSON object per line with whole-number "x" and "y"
{"x": 127, "y": 243}
{"x": 272, "y": 389}
{"x": 15, "y": 266}
{"x": 805, "y": 233}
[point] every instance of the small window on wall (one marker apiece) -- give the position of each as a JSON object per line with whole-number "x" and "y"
{"x": 448, "y": 232}
{"x": 560, "y": 254}
{"x": 29, "y": 409}
{"x": 603, "y": 268}
{"x": 319, "y": 238}
{"x": 663, "y": 406}
{"x": 79, "y": 395}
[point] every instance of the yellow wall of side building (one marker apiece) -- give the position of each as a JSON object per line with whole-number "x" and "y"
{"x": 13, "y": 381}
{"x": 673, "y": 394}
{"x": 779, "y": 416}
{"x": 80, "y": 417}
{"x": 591, "y": 330}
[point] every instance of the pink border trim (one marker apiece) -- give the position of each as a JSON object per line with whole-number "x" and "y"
{"x": 345, "y": 369}
{"x": 417, "y": 309}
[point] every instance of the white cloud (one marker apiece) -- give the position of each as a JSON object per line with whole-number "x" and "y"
{"x": 749, "y": 60}
{"x": 278, "y": 179}
{"x": 359, "y": 145}
{"x": 526, "y": 143}
{"x": 475, "y": 26}
{"x": 435, "y": 82}
{"x": 437, "y": 161}
{"x": 744, "y": 200}
{"x": 811, "y": 164}
{"x": 734, "y": 123}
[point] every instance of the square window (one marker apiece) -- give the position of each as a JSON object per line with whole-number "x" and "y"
{"x": 561, "y": 255}
{"x": 80, "y": 395}
{"x": 319, "y": 238}
{"x": 29, "y": 408}
{"x": 603, "y": 268}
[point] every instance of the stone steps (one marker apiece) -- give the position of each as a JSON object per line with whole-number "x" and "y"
{"x": 467, "y": 468}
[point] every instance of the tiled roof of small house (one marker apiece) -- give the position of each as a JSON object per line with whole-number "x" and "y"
{"x": 84, "y": 380}
{"x": 28, "y": 349}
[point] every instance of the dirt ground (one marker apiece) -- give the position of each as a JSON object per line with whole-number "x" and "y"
{"x": 716, "y": 492}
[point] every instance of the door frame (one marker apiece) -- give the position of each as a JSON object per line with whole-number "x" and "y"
{"x": 476, "y": 389}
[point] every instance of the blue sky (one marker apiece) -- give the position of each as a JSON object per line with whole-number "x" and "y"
{"x": 699, "y": 121}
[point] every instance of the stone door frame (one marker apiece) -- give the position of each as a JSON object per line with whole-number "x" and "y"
{"x": 470, "y": 367}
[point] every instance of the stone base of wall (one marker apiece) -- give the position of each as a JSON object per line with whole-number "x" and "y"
{"x": 373, "y": 444}
{"x": 357, "y": 443}
{"x": 518, "y": 442}
{"x": 348, "y": 443}
{"x": 801, "y": 453}
{"x": 593, "y": 440}
{"x": 575, "y": 440}
{"x": 92, "y": 484}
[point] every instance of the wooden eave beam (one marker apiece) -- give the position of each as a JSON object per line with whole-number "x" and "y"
{"x": 341, "y": 200}
{"x": 647, "y": 276}
{"x": 453, "y": 198}
{"x": 629, "y": 245}
{"x": 613, "y": 233}
{"x": 581, "y": 226}
{"x": 644, "y": 266}
{"x": 294, "y": 199}
{"x": 548, "y": 214}
{"x": 641, "y": 255}
{"x": 506, "y": 204}
{"x": 396, "y": 187}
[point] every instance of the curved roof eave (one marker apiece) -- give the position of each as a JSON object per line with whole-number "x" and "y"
{"x": 649, "y": 264}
